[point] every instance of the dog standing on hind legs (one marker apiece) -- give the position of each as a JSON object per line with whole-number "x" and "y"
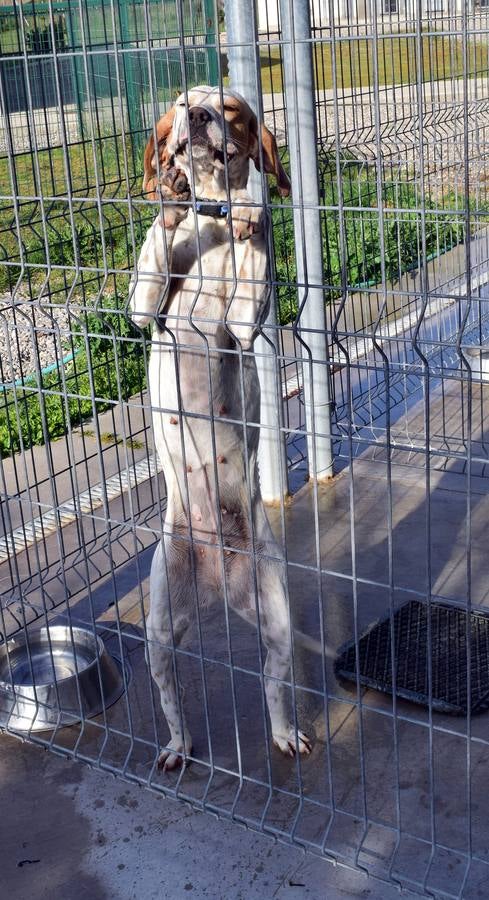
{"x": 202, "y": 282}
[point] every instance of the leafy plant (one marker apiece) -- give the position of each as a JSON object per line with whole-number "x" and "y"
{"x": 107, "y": 367}
{"x": 374, "y": 238}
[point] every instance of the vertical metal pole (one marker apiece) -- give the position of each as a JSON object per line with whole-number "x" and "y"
{"x": 77, "y": 70}
{"x": 241, "y": 32}
{"x": 211, "y": 26}
{"x": 302, "y": 136}
{"x": 132, "y": 79}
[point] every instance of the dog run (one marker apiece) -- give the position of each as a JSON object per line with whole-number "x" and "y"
{"x": 243, "y": 453}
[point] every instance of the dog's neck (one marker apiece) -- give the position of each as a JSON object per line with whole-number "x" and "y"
{"x": 211, "y": 182}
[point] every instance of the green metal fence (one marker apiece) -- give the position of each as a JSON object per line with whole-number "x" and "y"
{"x": 106, "y": 50}
{"x": 81, "y": 84}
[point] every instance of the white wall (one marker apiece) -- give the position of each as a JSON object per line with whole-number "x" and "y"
{"x": 360, "y": 10}
{"x": 268, "y": 15}
{"x": 319, "y": 9}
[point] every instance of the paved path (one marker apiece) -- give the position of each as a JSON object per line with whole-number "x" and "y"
{"x": 70, "y": 832}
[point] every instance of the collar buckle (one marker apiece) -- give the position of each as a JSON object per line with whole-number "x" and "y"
{"x": 216, "y": 209}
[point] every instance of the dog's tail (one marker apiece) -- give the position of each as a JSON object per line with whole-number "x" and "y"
{"x": 313, "y": 645}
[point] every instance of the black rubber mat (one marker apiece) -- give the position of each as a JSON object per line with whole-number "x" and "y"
{"x": 448, "y": 656}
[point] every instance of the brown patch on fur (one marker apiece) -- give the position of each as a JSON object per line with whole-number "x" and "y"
{"x": 272, "y": 163}
{"x": 163, "y": 128}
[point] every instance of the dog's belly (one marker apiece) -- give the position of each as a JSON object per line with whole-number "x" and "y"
{"x": 204, "y": 406}
{"x": 205, "y": 399}
{"x": 211, "y": 528}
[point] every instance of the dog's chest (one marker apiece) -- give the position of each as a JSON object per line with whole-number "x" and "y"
{"x": 202, "y": 246}
{"x": 205, "y": 248}
{"x": 196, "y": 371}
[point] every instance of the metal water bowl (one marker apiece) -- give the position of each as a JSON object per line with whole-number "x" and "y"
{"x": 55, "y": 676}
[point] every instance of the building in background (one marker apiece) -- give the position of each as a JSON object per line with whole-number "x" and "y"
{"x": 391, "y": 12}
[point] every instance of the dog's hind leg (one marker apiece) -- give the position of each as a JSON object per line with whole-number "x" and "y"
{"x": 165, "y": 632}
{"x": 275, "y": 632}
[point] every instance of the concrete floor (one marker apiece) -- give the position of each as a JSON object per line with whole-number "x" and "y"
{"x": 71, "y": 832}
{"x": 370, "y": 773}
{"x": 367, "y": 767}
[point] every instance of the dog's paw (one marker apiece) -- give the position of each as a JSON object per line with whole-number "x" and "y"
{"x": 173, "y": 186}
{"x": 247, "y": 221}
{"x": 288, "y": 745}
{"x": 175, "y": 754}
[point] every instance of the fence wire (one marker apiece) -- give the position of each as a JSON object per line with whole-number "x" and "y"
{"x": 400, "y": 89}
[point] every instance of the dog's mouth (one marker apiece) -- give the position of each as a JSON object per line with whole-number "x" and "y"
{"x": 202, "y": 147}
{"x": 220, "y": 156}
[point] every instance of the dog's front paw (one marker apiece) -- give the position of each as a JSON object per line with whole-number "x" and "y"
{"x": 247, "y": 221}
{"x": 287, "y": 743}
{"x": 175, "y": 754}
{"x": 173, "y": 186}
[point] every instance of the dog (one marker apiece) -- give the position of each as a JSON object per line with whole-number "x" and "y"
{"x": 202, "y": 281}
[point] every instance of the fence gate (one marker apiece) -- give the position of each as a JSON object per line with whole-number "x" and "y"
{"x": 374, "y": 363}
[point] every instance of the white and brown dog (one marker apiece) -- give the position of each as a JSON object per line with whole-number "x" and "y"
{"x": 202, "y": 282}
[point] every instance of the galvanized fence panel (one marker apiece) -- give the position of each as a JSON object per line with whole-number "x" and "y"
{"x": 379, "y": 354}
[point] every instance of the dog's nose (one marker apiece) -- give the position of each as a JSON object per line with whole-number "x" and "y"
{"x": 198, "y": 116}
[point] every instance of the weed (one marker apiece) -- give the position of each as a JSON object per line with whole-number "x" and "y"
{"x": 352, "y": 247}
{"x": 108, "y": 437}
{"x": 107, "y": 369}
{"x": 134, "y": 444}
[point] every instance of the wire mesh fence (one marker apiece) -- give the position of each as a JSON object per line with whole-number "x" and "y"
{"x": 369, "y": 326}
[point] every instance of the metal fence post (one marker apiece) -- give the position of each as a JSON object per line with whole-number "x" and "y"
{"x": 211, "y": 27}
{"x": 132, "y": 78}
{"x": 244, "y": 75}
{"x": 303, "y": 144}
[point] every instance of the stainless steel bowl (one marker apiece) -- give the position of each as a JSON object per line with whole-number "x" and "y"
{"x": 55, "y": 676}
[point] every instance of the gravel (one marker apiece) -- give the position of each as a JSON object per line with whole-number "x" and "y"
{"x": 389, "y": 129}
{"x": 30, "y": 335}
{"x": 47, "y": 124}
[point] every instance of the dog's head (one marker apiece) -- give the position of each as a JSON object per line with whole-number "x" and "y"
{"x": 212, "y": 137}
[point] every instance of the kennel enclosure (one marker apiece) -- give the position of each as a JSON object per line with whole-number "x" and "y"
{"x": 375, "y": 349}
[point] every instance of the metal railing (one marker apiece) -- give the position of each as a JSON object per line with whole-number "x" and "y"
{"x": 373, "y": 441}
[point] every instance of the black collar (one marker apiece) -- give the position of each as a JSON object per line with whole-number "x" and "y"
{"x": 217, "y": 209}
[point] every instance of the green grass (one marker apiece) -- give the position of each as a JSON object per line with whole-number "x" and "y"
{"x": 38, "y": 412}
{"x": 108, "y": 367}
{"x": 114, "y": 349}
{"x": 356, "y": 260}
{"x": 101, "y": 235}
{"x": 104, "y": 162}
{"x": 442, "y": 57}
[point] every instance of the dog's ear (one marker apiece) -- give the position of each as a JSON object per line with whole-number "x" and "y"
{"x": 163, "y": 128}
{"x": 271, "y": 159}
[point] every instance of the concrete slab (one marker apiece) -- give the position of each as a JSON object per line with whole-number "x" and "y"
{"x": 69, "y": 831}
{"x": 384, "y": 784}
{"x": 387, "y": 787}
